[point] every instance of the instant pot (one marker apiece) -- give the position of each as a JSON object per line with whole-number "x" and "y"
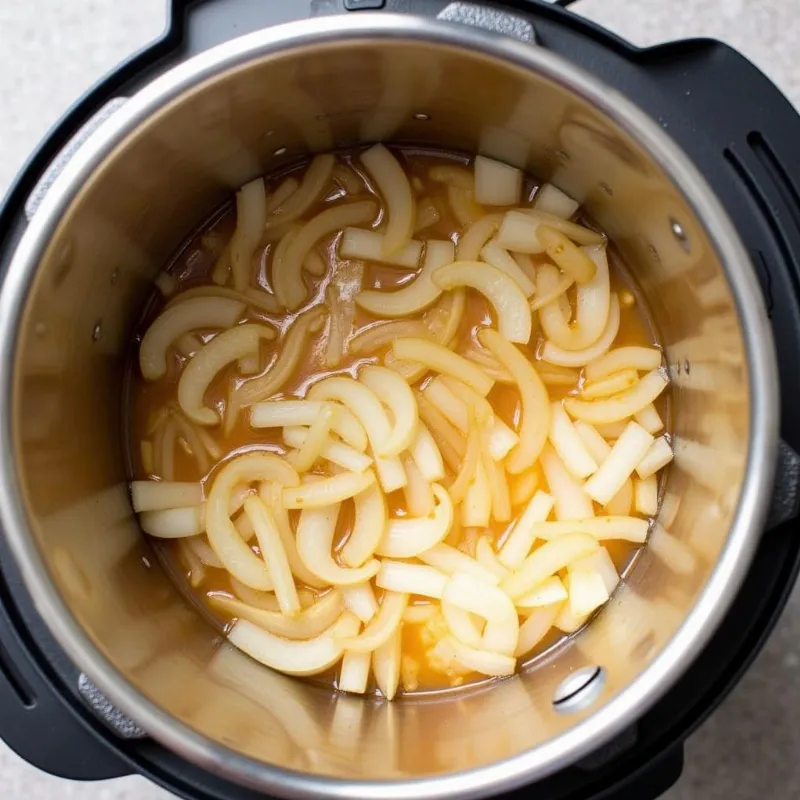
{"x": 106, "y": 671}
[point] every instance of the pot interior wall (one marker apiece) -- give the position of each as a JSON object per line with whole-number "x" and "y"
{"x": 158, "y": 185}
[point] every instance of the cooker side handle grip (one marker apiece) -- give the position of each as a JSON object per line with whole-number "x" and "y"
{"x": 785, "y": 503}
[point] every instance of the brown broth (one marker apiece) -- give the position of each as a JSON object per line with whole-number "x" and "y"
{"x": 192, "y": 267}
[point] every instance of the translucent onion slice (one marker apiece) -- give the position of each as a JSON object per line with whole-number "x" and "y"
{"x": 331, "y": 450}
{"x": 498, "y": 481}
{"x": 471, "y": 242}
{"x": 519, "y": 542}
{"x": 569, "y": 258}
{"x": 450, "y": 560}
{"x": 315, "y": 532}
{"x": 476, "y": 508}
{"x": 567, "y": 622}
{"x": 407, "y": 537}
{"x": 461, "y": 625}
{"x": 290, "y": 288}
{"x": 631, "y": 529}
{"x": 427, "y": 214}
{"x": 536, "y": 627}
{"x": 198, "y": 374}
{"x": 469, "y": 466}
{"x": 293, "y": 413}
{"x": 610, "y": 430}
{"x": 174, "y": 523}
{"x": 222, "y": 268}
{"x": 369, "y": 245}
{"x": 168, "y": 284}
{"x": 381, "y": 626}
{"x": 391, "y": 474}
{"x": 523, "y": 487}
{"x": 252, "y": 296}
{"x": 374, "y": 337}
{"x": 415, "y": 296}
{"x": 496, "y": 183}
{"x": 395, "y": 190}
{"x": 488, "y": 364}
{"x": 354, "y": 673}
{"x": 646, "y": 496}
{"x": 195, "y": 314}
{"x": 621, "y": 406}
{"x": 613, "y": 384}
{"x": 546, "y": 561}
{"x": 554, "y": 354}
{"x": 418, "y": 493}
{"x": 534, "y": 398}
{"x": 341, "y": 313}
{"x": 439, "y": 358}
{"x": 315, "y": 440}
{"x": 288, "y": 186}
{"x": 420, "y": 579}
{"x": 550, "y": 591}
{"x": 520, "y": 228}
{"x": 327, "y": 491}
{"x": 189, "y": 344}
{"x": 553, "y": 375}
{"x": 249, "y": 364}
{"x": 419, "y": 614}
{"x": 445, "y": 317}
{"x": 620, "y": 504}
{"x": 502, "y": 292}
{"x": 463, "y": 205}
{"x": 452, "y": 175}
{"x": 486, "y": 601}
{"x": 360, "y": 600}
{"x": 386, "y": 661}
{"x": 620, "y": 463}
{"x": 397, "y": 396}
{"x": 485, "y": 554}
{"x": 315, "y": 181}
{"x": 600, "y": 562}
{"x": 371, "y": 520}
{"x": 157, "y": 495}
{"x": 623, "y": 358}
{"x": 197, "y": 570}
{"x": 495, "y": 255}
{"x": 658, "y": 455}
{"x": 454, "y": 406}
{"x": 426, "y": 455}
{"x": 551, "y": 200}
{"x": 251, "y": 215}
{"x": 571, "y": 501}
{"x": 308, "y": 623}
{"x": 649, "y": 418}
{"x": 587, "y": 591}
{"x": 551, "y": 286}
{"x": 223, "y": 537}
{"x": 251, "y": 597}
{"x": 348, "y": 178}
{"x": 483, "y": 661}
{"x": 315, "y": 263}
{"x": 448, "y": 439}
{"x": 308, "y": 657}
{"x": 569, "y": 445}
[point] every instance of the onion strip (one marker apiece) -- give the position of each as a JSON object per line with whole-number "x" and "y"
{"x": 381, "y": 626}
{"x": 327, "y": 491}
{"x": 315, "y": 180}
{"x": 620, "y": 406}
{"x": 439, "y": 358}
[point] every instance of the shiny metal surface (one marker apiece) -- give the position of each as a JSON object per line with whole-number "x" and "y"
{"x": 150, "y": 174}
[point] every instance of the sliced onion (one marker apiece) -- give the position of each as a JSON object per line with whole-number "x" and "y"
{"x": 533, "y": 395}
{"x": 371, "y": 520}
{"x": 348, "y": 179}
{"x": 290, "y": 288}
{"x": 476, "y": 508}
{"x": 309, "y": 657}
{"x": 426, "y": 455}
{"x": 314, "y": 263}
{"x": 467, "y": 472}
{"x": 354, "y": 674}
{"x": 449, "y": 441}
{"x": 222, "y": 268}
{"x": 461, "y": 625}
{"x": 419, "y": 614}
{"x": 445, "y": 317}
{"x": 341, "y": 313}
{"x": 657, "y": 456}
{"x": 374, "y": 337}
{"x": 189, "y": 344}
{"x": 391, "y": 474}
{"x": 571, "y": 501}
{"x": 483, "y": 661}
{"x": 471, "y": 242}
{"x": 613, "y": 384}
{"x": 455, "y": 409}
{"x": 620, "y": 463}
{"x": 176, "y": 320}
{"x": 251, "y": 597}
{"x": 488, "y": 363}
{"x": 386, "y": 662}
{"x": 600, "y": 562}
{"x": 485, "y": 554}
{"x": 621, "y": 503}
{"x": 360, "y": 600}
{"x": 551, "y": 287}
{"x": 550, "y": 591}
{"x": 646, "y": 496}
{"x": 252, "y": 296}
{"x": 418, "y": 493}
{"x": 251, "y": 215}
{"x": 157, "y": 495}
{"x": 649, "y": 418}
{"x": 174, "y": 523}
{"x": 450, "y": 560}
{"x": 336, "y": 452}
{"x": 593, "y": 441}
{"x": 569, "y": 258}
{"x": 168, "y": 284}
{"x": 327, "y": 491}
{"x": 369, "y": 245}
{"x": 498, "y": 481}
{"x": 463, "y": 205}
{"x": 675, "y": 554}
{"x": 427, "y": 215}
{"x": 452, "y": 175}
{"x": 495, "y": 255}
{"x": 315, "y": 181}
{"x": 381, "y": 626}
{"x": 407, "y": 537}
{"x": 502, "y": 292}
{"x": 567, "y": 622}
{"x": 569, "y": 445}
{"x": 496, "y": 183}
{"x": 611, "y": 430}
{"x": 288, "y": 186}
{"x": 551, "y": 200}
{"x": 587, "y": 591}
{"x": 623, "y": 358}
{"x": 630, "y": 529}
{"x": 399, "y": 576}
{"x": 397, "y": 396}
{"x": 519, "y": 542}
{"x": 523, "y": 487}
{"x": 536, "y": 627}
{"x": 519, "y": 231}
{"x": 621, "y": 406}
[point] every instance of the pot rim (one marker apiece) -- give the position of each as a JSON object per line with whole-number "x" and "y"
{"x": 735, "y": 558}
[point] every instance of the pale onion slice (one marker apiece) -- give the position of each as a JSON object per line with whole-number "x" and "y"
{"x": 533, "y": 396}
{"x": 288, "y": 274}
{"x": 488, "y": 602}
{"x": 445, "y": 317}
{"x": 354, "y": 673}
{"x": 550, "y": 199}
{"x": 495, "y": 255}
{"x": 450, "y": 560}
{"x": 265, "y": 600}
{"x": 613, "y": 384}
{"x": 294, "y": 413}
{"x": 327, "y": 491}
{"x": 391, "y": 474}
{"x": 197, "y": 571}
{"x": 502, "y": 292}
{"x": 440, "y": 359}
{"x": 199, "y": 313}
{"x": 306, "y": 624}
{"x": 157, "y": 495}
{"x": 623, "y": 358}
{"x": 496, "y": 183}
{"x": 315, "y": 181}
{"x": 420, "y": 613}
{"x": 553, "y": 375}
{"x": 658, "y": 455}
{"x": 519, "y": 542}
{"x": 395, "y": 190}
{"x": 570, "y": 259}
{"x": 381, "y": 627}
{"x": 418, "y": 492}
{"x": 251, "y": 215}
{"x": 371, "y": 520}
{"x": 536, "y": 627}
{"x": 369, "y": 245}
{"x": 488, "y": 363}
{"x": 569, "y": 445}
{"x": 485, "y": 555}
{"x": 571, "y": 501}
{"x": 257, "y": 298}
{"x": 620, "y": 463}
{"x": 314, "y": 440}
{"x": 426, "y": 455}
{"x": 427, "y": 214}
{"x": 621, "y": 503}
{"x": 649, "y": 418}
{"x": 548, "y": 290}
{"x": 249, "y": 364}
{"x": 168, "y": 284}
{"x": 523, "y": 487}
{"x": 222, "y": 268}
{"x": 463, "y": 205}
{"x": 362, "y": 402}
{"x": 336, "y": 452}
{"x": 611, "y": 430}
{"x": 289, "y": 286}
{"x": 469, "y": 466}
{"x": 374, "y": 337}
{"x": 261, "y": 300}
{"x": 621, "y": 406}
{"x": 415, "y": 296}
{"x": 452, "y": 175}
{"x": 454, "y": 406}
{"x": 308, "y": 657}
{"x": 630, "y": 529}
{"x": 593, "y": 441}
{"x": 188, "y": 344}
{"x": 526, "y": 263}
{"x": 314, "y": 263}
{"x": 471, "y": 242}
{"x": 348, "y": 179}
{"x": 451, "y": 444}
{"x": 645, "y": 494}
{"x": 600, "y": 562}
{"x": 200, "y": 442}
{"x": 397, "y": 396}
{"x": 546, "y": 561}
{"x": 174, "y": 523}
{"x": 483, "y": 661}
{"x": 407, "y": 537}
{"x": 420, "y": 579}
{"x": 360, "y": 600}
{"x": 476, "y": 508}
{"x": 198, "y": 374}
{"x": 554, "y": 354}
{"x": 593, "y": 305}
{"x": 287, "y": 187}
{"x": 520, "y": 227}
{"x": 587, "y": 591}
{"x": 223, "y": 537}
{"x": 272, "y": 381}
{"x": 342, "y": 312}
{"x": 461, "y": 624}
{"x": 386, "y": 661}
{"x": 567, "y": 622}
{"x": 546, "y": 593}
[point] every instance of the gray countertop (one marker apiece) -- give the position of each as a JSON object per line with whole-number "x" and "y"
{"x": 52, "y": 50}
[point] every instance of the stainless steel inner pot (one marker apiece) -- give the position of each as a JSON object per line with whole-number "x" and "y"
{"x": 86, "y": 265}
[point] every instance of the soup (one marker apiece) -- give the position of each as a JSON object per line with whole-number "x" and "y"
{"x": 397, "y": 420}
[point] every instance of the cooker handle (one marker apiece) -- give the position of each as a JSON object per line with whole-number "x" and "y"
{"x": 785, "y": 504}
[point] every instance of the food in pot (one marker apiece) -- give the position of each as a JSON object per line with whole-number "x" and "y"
{"x": 403, "y": 423}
